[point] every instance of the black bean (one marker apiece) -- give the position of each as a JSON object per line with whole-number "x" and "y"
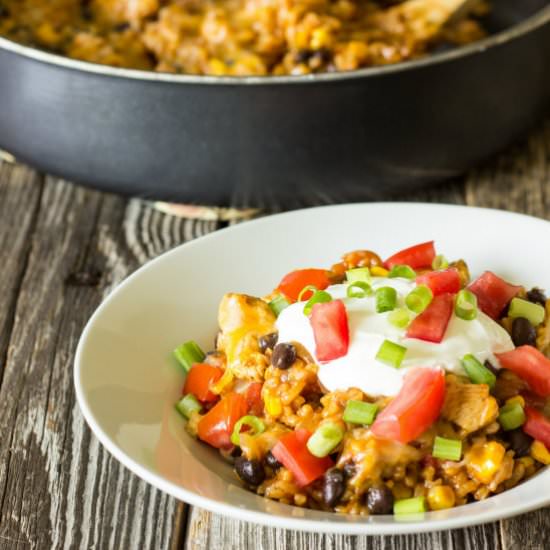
{"x": 349, "y": 469}
{"x": 271, "y": 461}
{"x": 491, "y": 367}
{"x": 520, "y": 442}
{"x": 303, "y": 56}
{"x": 334, "y": 485}
{"x": 250, "y": 471}
{"x": 537, "y": 296}
{"x": 236, "y": 452}
{"x": 283, "y": 356}
{"x": 523, "y": 332}
{"x": 267, "y": 341}
{"x": 324, "y": 54}
{"x": 380, "y": 500}
{"x": 86, "y": 11}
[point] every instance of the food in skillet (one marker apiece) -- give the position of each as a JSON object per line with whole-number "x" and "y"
{"x": 377, "y": 387}
{"x": 228, "y": 37}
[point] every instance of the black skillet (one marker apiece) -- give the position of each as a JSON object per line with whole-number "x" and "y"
{"x": 260, "y": 141}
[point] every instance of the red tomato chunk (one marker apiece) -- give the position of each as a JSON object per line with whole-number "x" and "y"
{"x": 292, "y": 452}
{"x": 493, "y": 293}
{"x": 415, "y": 408}
{"x": 199, "y": 380}
{"x": 329, "y": 322}
{"x": 432, "y": 323}
{"x": 253, "y": 398}
{"x": 420, "y": 255}
{"x": 294, "y": 282}
{"x": 537, "y": 426}
{"x": 530, "y": 365}
{"x": 216, "y": 426}
{"x": 441, "y": 282}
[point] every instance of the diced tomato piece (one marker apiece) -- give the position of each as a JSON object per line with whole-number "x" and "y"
{"x": 530, "y": 365}
{"x": 216, "y": 426}
{"x": 432, "y": 323}
{"x": 419, "y": 255}
{"x": 294, "y": 282}
{"x": 537, "y": 426}
{"x": 441, "y": 282}
{"x": 330, "y": 329}
{"x": 415, "y": 408}
{"x": 292, "y": 452}
{"x": 493, "y": 293}
{"x": 199, "y": 379}
{"x": 253, "y": 398}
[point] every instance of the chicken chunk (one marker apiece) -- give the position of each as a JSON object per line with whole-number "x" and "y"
{"x": 242, "y": 320}
{"x": 469, "y": 406}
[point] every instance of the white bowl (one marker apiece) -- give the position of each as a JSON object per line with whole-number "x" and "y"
{"x": 127, "y": 383}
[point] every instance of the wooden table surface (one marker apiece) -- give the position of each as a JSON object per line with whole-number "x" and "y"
{"x": 62, "y": 249}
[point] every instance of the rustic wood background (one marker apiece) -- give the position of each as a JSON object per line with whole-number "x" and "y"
{"x": 62, "y": 249}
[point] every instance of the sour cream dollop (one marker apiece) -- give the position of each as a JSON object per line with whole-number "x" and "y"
{"x": 481, "y": 337}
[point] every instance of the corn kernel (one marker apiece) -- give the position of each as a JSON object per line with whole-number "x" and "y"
{"x": 217, "y": 67}
{"x": 273, "y": 405}
{"x": 540, "y": 452}
{"x": 47, "y": 35}
{"x": 516, "y": 399}
{"x": 378, "y": 271}
{"x": 484, "y": 460}
{"x": 441, "y": 497}
{"x": 320, "y": 38}
{"x": 527, "y": 461}
{"x": 223, "y": 382}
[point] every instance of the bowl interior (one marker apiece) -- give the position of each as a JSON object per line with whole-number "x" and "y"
{"x": 127, "y": 382}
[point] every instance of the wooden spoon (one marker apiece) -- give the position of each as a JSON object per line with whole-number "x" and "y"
{"x": 425, "y": 18}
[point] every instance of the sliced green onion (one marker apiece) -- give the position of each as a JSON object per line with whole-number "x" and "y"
{"x": 466, "y": 305}
{"x": 188, "y": 354}
{"x": 447, "y": 449}
{"x": 440, "y": 262}
{"x": 359, "y": 274}
{"x": 534, "y": 313}
{"x": 319, "y": 297}
{"x": 391, "y": 353}
{"x": 308, "y": 288}
{"x": 477, "y": 373}
{"x": 386, "y": 299}
{"x": 278, "y": 304}
{"x": 359, "y": 412}
{"x": 399, "y": 317}
{"x": 325, "y": 439}
{"x": 187, "y": 405}
{"x": 511, "y": 416}
{"x": 402, "y": 271}
{"x": 406, "y": 506}
{"x": 253, "y": 422}
{"x": 359, "y": 289}
{"x": 419, "y": 298}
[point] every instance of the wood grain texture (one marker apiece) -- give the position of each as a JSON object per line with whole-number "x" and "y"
{"x": 65, "y": 248}
{"x": 62, "y": 248}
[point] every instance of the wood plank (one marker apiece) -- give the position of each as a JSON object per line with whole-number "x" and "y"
{"x": 60, "y": 489}
{"x": 20, "y": 190}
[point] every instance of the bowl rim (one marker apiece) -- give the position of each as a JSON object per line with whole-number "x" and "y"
{"x": 260, "y": 517}
{"x": 526, "y": 26}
